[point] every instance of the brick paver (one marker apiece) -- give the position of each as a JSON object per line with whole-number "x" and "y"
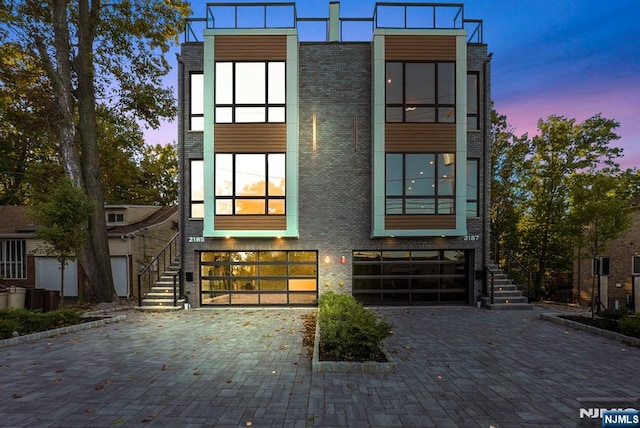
{"x": 457, "y": 366}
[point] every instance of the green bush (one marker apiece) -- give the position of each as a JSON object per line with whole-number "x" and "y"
{"x": 630, "y": 326}
{"x": 25, "y": 322}
{"x": 348, "y": 331}
{"x": 613, "y": 314}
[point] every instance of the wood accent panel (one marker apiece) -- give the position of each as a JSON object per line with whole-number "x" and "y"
{"x": 250, "y": 138}
{"x": 258, "y": 48}
{"x": 250, "y": 222}
{"x": 420, "y": 137}
{"x": 403, "y": 222}
{"x": 420, "y": 48}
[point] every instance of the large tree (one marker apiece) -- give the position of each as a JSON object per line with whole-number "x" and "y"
{"x": 89, "y": 50}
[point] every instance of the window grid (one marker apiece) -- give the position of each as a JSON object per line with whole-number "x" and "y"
{"x": 228, "y": 112}
{"x": 430, "y": 202}
{"x": 441, "y": 111}
{"x": 473, "y": 179}
{"x": 196, "y": 101}
{"x": 229, "y": 198}
{"x": 13, "y": 259}
{"x": 258, "y": 277}
{"x": 473, "y": 101}
{"x": 196, "y": 195}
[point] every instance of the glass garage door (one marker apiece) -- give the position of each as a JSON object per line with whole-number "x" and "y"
{"x": 425, "y": 277}
{"x": 258, "y": 277}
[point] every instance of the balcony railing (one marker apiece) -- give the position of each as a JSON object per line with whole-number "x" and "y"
{"x": 386, "y": 15}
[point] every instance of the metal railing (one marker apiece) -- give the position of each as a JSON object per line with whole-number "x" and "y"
{"x": 386, "y": 15}
{"x": 151, "y": 273}
{"x": 489, "y": 284}
{"x": 511, "y": 265}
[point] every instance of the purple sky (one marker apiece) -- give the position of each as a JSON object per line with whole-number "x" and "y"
{"x": 573, "y": 58}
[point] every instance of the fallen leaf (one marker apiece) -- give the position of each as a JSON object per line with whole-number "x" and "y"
{"x": 17, "y": 395}
{"x": 99, "y": 387}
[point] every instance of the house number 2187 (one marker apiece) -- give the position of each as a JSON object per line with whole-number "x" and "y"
{"x": 471, "y": 237}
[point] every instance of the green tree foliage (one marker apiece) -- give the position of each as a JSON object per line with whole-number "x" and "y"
{"x": 539, "y": 185}
{"x": 599, "y": 213}
{"x": 62, "y": 217}
{"x": 93, "y": 52}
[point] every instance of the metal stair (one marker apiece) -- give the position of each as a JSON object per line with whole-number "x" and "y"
{"x": 160, "y": 297}
{"x": 506, "y": 295}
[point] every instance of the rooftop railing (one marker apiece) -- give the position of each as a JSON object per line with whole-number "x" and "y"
{"x": 386, "y": 15}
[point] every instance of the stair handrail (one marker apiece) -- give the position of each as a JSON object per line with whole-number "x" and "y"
{"x": 160, "y": 262}
{"x": 512, "y": 266}
{"x": 489, "y": 293}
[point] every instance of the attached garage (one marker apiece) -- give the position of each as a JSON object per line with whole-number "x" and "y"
{"x": 412, "y": 277}
{"x": 48, "y": 275}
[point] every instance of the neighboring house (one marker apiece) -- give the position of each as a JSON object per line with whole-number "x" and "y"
{"x": 354, "y": 162}
{"x": 619, "y": 268}
{"x": 136, "y": 235}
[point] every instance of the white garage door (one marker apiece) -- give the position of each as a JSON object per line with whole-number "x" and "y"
{"x": 48, "y": 275}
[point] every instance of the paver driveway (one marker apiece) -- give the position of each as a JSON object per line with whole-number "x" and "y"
{"x": 457, "y": 366}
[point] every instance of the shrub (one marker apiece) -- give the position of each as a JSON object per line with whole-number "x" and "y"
{"x": 630, "y": 326}
{"x": 613, "y": 314}
{"x": 348, "y": 331}
{"x": 25, "y": 322}
{"x": 7, "y": 327}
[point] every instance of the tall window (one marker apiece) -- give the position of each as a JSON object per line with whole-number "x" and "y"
{"x": 196, "y": 107}
{"x": 197, "y": 189}
{"x": 420, "y": 92}
{"x": 250, "y": 184}
{"x": 472, "y": 101}
{"x": 420, "y": 183}
{"x": 250, "y": 92}
{"x": 13, "y": 259}
{"x": 472, "y": 187}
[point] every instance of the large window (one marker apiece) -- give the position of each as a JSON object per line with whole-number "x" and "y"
{"x": 420, "y": 183}
{"x": 197, "y": 189}
{"x": 424, "y": 277}
{"x": 250, "y": 184}
{"x": 13, "y": 259}
{"x": 196, "y": 108}
{"x": 472, "y": 101}
{"x": 258, "y": 277}
{"x": 420, "y": 92}
{"x": 250, "y": 92}
{"x": 472, "y": 187}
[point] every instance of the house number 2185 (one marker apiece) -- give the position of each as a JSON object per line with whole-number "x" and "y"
{"x": 196, "y": 239}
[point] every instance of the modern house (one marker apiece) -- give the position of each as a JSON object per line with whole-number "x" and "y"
{"x": 614, "y": 275}
{"x": 346, "y": 154}
{"x": 136, "y": 235}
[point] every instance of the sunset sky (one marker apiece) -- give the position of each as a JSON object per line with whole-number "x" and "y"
{"x": 573, "y": 58}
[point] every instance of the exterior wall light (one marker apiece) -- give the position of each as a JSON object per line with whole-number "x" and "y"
{"x": 327, "y": 260}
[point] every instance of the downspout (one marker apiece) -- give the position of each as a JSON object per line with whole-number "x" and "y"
{"x": 486, "y": 122}
{"x": 181, "y": 191}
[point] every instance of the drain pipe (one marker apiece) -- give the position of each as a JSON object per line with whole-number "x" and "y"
{"x": 487, "y": 166}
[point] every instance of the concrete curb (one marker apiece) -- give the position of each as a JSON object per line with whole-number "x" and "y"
{"x": 62, "y": 330}
{"x": 367, "y": 367}
{"x": 555, "y": 318}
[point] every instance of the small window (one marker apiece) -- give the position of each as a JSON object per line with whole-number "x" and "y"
{"x": 472, "y": 102}
{"x": 635, "y": 265}
{"x": 472, "y": 187}
{"x": 115, "y": 217}
{"x": 600, "y": 266}
{"x": 197, "y": 189}
{"x": 196, "y": 117}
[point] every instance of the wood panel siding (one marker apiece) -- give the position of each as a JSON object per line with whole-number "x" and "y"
{"x": 257, "y": 48}
{"x": 420, "y": 137}
{"x": 420, "y": 48}
{"x": 250, "y": 222}
{"x": 419, "y": 222}
{"x": 250, "y": 137}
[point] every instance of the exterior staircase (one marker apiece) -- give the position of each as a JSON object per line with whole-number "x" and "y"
{"x": 160, "y": 297}
{"x": 506, "y": 295}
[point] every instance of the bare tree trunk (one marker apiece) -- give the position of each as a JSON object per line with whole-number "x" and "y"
{"x": 95, "y": 251}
